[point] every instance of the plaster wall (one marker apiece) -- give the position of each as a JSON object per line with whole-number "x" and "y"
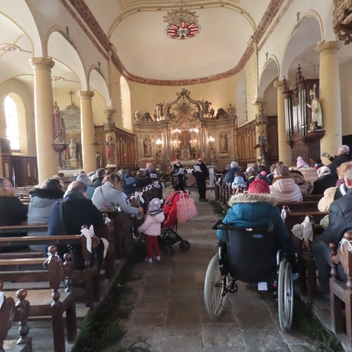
{"x": 251, "y": 84}
{"x": 270, "y": 99}
{"x": 346, "y": 98}
{"x": 26, "y": 118}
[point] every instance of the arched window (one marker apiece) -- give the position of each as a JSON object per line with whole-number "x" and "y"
{"x": 125, "y": 97}
{"x": 12, "y": 123}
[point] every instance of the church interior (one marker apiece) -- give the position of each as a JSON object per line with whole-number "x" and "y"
{"x": 87, "y": 85}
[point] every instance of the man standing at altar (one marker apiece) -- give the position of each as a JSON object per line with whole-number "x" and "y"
{"x": 201, "y": 173}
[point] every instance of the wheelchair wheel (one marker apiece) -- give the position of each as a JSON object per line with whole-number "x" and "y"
{"x": 285, "y": 295}
{"x": 184, "y": 245}
{"x": 214, "y": 289}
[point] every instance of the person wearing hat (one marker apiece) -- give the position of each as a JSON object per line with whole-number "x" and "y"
{"x": 201, "y": 173}
{"x": 325, "y": 180}
{"x": 152, "y": 228}
{"x": 178, "y": 176}
{"x": 130, "y": 184}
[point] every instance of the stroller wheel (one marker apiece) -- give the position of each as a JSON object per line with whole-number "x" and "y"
{"x": 184, "y": 245}
{"x": 168, "y": 251}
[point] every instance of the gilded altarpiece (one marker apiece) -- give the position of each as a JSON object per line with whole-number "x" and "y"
{"x": 185, "y": 129}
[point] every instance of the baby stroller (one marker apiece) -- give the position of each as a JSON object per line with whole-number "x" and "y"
{"x": 168, "y": 235}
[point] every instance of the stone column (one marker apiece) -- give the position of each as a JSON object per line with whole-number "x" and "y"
{"x": 285, "y": 154}
{"x": 44, "y": 111}
{"x": 329, "y": 95}
{"x": 87, "y": 131}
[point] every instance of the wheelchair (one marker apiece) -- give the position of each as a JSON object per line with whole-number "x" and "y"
{"x": 249, "y": 255}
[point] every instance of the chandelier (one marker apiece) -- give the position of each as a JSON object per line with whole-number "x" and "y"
{"x": 182, "y": 23}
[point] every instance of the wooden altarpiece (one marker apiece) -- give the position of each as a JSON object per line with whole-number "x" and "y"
{"x": 302, "y": 133}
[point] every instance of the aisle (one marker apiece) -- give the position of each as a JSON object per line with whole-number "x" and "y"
{"x": 169, "y": 311}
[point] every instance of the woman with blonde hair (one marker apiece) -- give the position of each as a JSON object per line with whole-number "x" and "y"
{"x": 110, "y": 194}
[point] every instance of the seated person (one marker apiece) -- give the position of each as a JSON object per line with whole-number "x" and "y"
{"x": 42, "y": 200}
{"x": 239, "y": 183}
{"x": 340, "y": 221}
{"x": 100, "y": 174}
{"x": 12, "y": 211}
{"x": 142, "y": 179}
{"x": 256, "y": 209}
{"x": 86, "y": 180}
{"x": 130, "y": 184}
{"x": 284, "y": 188}
{"x": 325, "y": 180}
{"x": 300, "y": 181}
{"x": 230, "y": 174}
{"x": 68, "y": 217}
{"x": 341, "y": 157}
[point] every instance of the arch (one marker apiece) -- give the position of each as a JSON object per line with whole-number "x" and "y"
{"x": 126, "y": 111}
{"x": 270, "y": 71}
{"x": 242, "y": 110}
{"x": 63, "y": 49}
{"x": 97, "y": 81}
{"x": 305, "y": 35}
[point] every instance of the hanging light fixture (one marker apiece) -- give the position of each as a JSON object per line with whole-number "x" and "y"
{"x": 182, "y": 23}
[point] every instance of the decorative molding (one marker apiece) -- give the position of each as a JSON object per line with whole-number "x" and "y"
{"x": 89, "y": 19}
{"x": 327, "y": 48}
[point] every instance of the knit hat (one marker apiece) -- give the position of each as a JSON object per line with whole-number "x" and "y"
{"x": 324, "y": 170}
{"x": 239, "y": 182}
{"x": 129, "y": 180}
{"x": 259, "y": 186}
{"x": 234, "y": 164}
{"x": 200, "y": 159}
{"x": 148, "y": 163}
{"x": 300, "y": 162}
{"x": 262, "y": 176}
{"x": 154, "y": 204}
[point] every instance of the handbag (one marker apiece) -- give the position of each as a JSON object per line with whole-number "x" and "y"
{"x": 186, "y": 209}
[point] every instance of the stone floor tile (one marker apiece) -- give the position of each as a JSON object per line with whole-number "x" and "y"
{"x": 264, "y": 340}
{"x": 223, "y": 335}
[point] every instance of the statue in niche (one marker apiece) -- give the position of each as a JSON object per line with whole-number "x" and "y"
{"x": 59, "y": 125}
{"x": 224, "y": 144}
{"x": 110, "y": 149}
{"x": 212, "y": 156}
{"x": 315, "y": 106}
{"x": 73, "y": 149}
{"x": 147, "y": 148}
{"x": 146, "y": 117}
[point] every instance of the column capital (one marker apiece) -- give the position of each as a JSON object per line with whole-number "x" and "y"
{"x": 279, "y": 85}
{"x": 42, "y": 63}
{"x": 109, "y": 112}
{"x": 327, "y": 48}
{"x": 259, "y": 102}
{"x": 85, "y": 94}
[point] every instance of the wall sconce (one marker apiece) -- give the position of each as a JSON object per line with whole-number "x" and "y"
{"x": 211, "y": 139}
{"x": 159, "y": 143}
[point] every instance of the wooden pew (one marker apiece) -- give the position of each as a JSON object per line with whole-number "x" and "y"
{"x": 54, "y": 301}
{"x": 89, "y": 275}
{"x": 307, "y": 206}
{"x": 341, "y": 291}
{"x": 9, "y": 313}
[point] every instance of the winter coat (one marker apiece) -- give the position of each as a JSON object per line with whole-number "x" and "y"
{"x": 98, "y": 182}
{"x": 76, "y": 211}
{"x": 152, "y": 223}
{"x": 284, "y": 189}
{"x": 340, "y": 219}
{"x": 330, "y": 195}
{"x": 12, "y": 212}
{"x": 177, "y": 180}
{"x": 257, "y": 210}
{"x": 230, "y": 175}
{"x": 42, "y": 200}
{"x": 107, "y": 196}
{"x": 323, "y": 182}
{"x": 300, "y": 181}
{"x": 309, "y": 174}
{"x": 337, "y": 161}
{"x": 201, "y": 176}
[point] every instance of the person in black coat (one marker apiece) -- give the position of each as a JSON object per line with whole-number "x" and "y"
{"x": 230, "y": 174}
{"x": 341, "y": 157}
{"x": 76, "y": 211}
{"x": 12, "y": 211}
{"x": 201, "y": 176}
{"x": 340, "y": 221}
{"x": 326, "y": 180}
{"x": 178, "y": 179}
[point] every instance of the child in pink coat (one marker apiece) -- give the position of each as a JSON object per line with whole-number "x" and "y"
{"x": 152, "y": 228}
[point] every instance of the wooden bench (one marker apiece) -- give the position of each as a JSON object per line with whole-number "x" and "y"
{"x": 53, "y": 302}
{"x": 90, "y": 274}
{"x": 341, "y": 291}
{"x": 9, "y": 313}
{"x": 307, "y": 206}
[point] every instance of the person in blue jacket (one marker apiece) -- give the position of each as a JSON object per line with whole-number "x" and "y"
{"x": 256, "y": 209}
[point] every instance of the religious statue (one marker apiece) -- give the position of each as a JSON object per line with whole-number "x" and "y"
{"x": 110, "y": 149}
{"x": 224, "y": 145}
{"x": 212, "y": 156}
{"x": 206, "y": 107}
{"x": 211, "y": 113}
{"x": 73, "y": 149}
{"x": 232, "y": 111}
{"x": 315, "y": 107}
{"x": 147, "y": 147}
{"x": 59, "y": 125}
{"x": 137, "y": 116}
{"x": 221, "y": 114}
{"x": 146, "y": 117}
{"x": 159, "y": 111}
{"x": 158, "y": 157}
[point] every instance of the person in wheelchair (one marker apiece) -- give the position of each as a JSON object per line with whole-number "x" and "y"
{"x": 257, "y": 208}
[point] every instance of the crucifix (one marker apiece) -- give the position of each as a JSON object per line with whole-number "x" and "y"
{"x": 71, "y": 93}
